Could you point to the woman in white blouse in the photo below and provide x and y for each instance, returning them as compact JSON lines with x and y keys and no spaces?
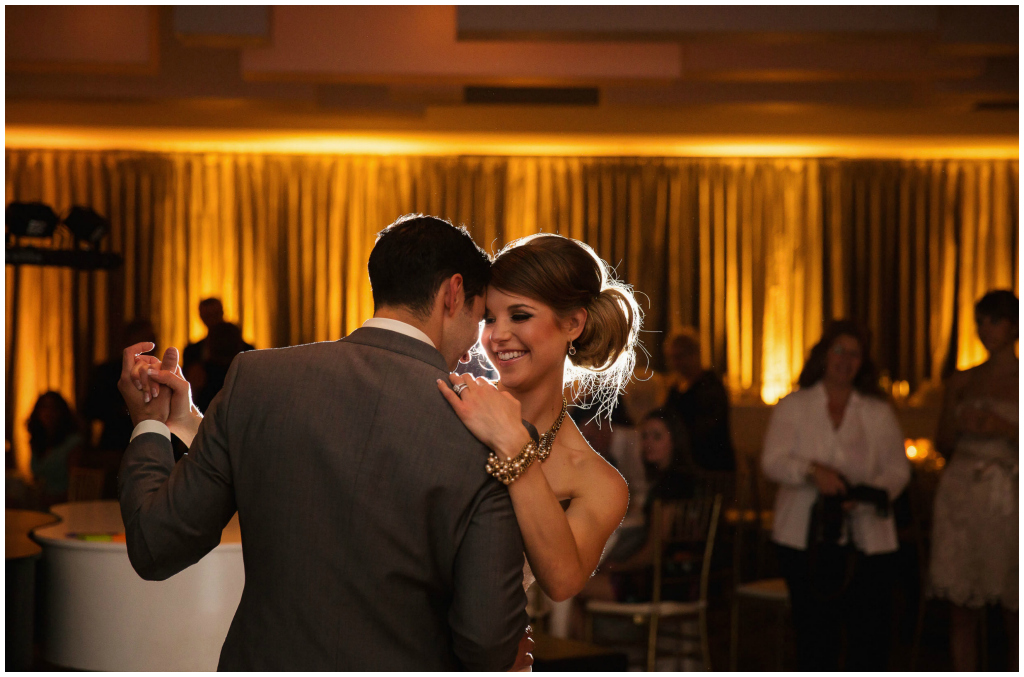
{"x":836,"y":432}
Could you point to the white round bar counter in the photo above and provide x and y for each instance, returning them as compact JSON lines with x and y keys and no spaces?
{"x":99,"y":615}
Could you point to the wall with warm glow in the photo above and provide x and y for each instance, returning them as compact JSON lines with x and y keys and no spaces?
{"x":753,"y":251}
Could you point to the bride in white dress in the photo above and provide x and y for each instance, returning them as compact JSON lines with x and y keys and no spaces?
{"x":975,"y":531}
{"x":555,"y":318}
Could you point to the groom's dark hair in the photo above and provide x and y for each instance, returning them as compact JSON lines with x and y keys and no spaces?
{"x":415,"y":254}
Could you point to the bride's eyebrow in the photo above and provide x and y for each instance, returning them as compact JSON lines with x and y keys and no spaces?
{"x":520,"y":306}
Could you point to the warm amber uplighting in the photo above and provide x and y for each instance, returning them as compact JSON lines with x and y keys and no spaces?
{"x":746,"y":247}
{"x":773,"y":391}
{"x":507,"y":144}
{"x":911,"y":451}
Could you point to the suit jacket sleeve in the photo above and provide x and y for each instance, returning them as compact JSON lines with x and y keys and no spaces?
{"x":174,"y":513}
{"x":488,"y":612}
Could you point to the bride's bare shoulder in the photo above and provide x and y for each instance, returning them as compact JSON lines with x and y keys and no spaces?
{"x":591,"y":471}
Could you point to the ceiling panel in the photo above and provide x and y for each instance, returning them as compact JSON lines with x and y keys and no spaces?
{"x":539,"y":21}
{"x":399,"y":43}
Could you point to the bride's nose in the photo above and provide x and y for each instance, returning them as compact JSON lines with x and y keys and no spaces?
{"x":500,"y":332}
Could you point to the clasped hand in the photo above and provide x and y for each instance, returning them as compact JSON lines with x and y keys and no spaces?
{"x":829,"y":483}
{"x":157,"y":390}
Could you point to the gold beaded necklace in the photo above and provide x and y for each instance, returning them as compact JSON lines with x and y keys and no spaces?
{"x":509,"y":470}
{"x":547,"y":440}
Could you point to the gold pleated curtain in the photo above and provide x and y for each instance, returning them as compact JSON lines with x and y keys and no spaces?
{"x":754,"y":253}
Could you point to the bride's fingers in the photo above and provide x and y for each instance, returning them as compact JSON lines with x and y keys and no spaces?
{"x":139,"y":376}
{"x":462,"y":379}
{"x":456,"y":379}
{"x":450,"y":395}
{"x":142,"y":362}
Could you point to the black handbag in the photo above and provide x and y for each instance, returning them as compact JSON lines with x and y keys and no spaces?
{"x":831,"y":564}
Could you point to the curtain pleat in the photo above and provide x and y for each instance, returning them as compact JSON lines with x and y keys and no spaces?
{"x":755,"y":253}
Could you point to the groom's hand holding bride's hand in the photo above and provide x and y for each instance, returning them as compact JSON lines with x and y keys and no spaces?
{"x":143,"y":405}
{"x":495,"y":418}
{"x":151,"y":376}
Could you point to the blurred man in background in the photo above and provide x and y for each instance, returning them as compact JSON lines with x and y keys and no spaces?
{"x":211,"y":312}
{"x":699,"y":399}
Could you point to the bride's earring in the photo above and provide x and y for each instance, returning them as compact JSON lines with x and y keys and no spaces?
{"x":572,"y":348}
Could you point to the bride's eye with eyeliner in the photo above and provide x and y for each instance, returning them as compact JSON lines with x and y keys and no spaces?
{"x":488,"y":320}
{"x":521,"y":317}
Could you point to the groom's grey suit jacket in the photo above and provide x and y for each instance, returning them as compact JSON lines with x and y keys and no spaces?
{"x":372,"y":537}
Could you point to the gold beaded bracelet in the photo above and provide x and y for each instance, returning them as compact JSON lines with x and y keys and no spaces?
{"x":508,"y":471}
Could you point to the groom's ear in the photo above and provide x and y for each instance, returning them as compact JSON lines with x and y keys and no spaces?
{"x":454,"y":295}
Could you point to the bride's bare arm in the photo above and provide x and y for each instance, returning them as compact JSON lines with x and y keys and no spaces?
{"x":563,"y":547}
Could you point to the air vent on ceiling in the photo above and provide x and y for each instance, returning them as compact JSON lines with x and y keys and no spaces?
{"x":532,"y":96}
{"x":1003,"y":104}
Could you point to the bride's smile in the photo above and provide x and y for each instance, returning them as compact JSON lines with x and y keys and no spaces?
{"x":523,"y":338}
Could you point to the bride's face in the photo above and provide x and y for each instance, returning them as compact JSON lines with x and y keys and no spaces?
{"x":524,"y":339}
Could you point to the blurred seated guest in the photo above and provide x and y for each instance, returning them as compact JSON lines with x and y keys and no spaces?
{"x":836,"y":450}
{"x":211,"y":312}
{"x":975,"y":531}
{"x":625,"y":573}
{"x":56,"y":440}
{"x":221,"y":345}
{"x":103,"y":403}
{"x":699,"y":398}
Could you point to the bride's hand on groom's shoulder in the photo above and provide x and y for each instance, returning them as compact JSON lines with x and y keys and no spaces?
{"x":494,"y":417}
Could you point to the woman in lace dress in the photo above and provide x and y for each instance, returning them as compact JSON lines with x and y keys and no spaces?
{"x":975,"y":537}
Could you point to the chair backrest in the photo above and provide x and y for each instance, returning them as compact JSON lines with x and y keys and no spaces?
{"x":755,"y":497}
{"x":85,"y":484}
{"x":689,"y":523}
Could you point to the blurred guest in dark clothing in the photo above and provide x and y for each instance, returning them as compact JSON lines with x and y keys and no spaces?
{"x":625,"y":572}
{"x":103,"y":402}
{"x":221,"y":345}
{"x":699,"y":398}
{"x":56,"y":440}
{"x":211,"y":312}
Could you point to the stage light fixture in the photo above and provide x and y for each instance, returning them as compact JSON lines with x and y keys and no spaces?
{"x":86,"y":225}
{"x":30,"y":219}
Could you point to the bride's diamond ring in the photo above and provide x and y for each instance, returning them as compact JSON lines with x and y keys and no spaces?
{"x":459,"y":388}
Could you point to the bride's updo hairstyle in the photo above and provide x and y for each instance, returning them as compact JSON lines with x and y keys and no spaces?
{"x":567,"y":275}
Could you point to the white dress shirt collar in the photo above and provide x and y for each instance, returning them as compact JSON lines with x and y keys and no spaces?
{"x":400,"y":327}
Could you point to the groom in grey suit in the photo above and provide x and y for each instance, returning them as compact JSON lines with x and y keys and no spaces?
{"x":372,"y":536}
